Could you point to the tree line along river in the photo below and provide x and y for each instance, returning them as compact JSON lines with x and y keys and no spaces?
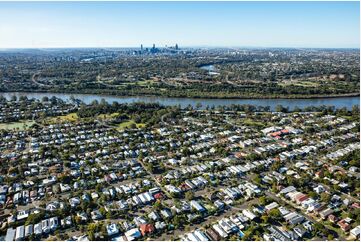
{"x":338,"y":102}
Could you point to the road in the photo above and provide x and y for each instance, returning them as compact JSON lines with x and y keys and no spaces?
{"x":33,"y":79}
{"x":152,"y":176}
{"x":162,"y":119}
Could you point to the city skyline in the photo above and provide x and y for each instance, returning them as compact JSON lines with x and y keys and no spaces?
{"x":188,"y":24}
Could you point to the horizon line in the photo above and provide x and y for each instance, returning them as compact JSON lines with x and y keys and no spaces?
{"x":164,"y":47}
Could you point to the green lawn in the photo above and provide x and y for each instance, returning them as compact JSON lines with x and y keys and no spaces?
{"x":250,"y":122}
{"x":145,"y":83}
{"x":17,"y":125}
{"x":127,"y":124}
{"x":71,"y":117}
{"x":105,"y":116}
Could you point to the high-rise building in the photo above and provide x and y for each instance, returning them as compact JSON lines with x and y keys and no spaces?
{"x":141,"y":47}
{"x":176,"y":46}
{"x":153,"y":46}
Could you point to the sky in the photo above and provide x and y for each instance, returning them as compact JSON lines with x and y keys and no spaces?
{"x":213,"y":24}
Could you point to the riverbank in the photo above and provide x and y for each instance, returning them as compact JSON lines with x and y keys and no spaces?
{"x":200,"y":103}
{"x":210,"y":96}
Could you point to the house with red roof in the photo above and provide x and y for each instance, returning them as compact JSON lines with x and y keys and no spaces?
{"x":355,"y":205}
{"x":344,"y":225}
{"x":146,"y":229}
{"x":158,"y":195}
{"x":300,"y":198}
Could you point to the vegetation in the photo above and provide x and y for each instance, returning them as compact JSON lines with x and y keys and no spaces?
{"x":272,"y":73}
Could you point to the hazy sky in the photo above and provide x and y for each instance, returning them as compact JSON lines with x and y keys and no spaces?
{"x":123,"y":24}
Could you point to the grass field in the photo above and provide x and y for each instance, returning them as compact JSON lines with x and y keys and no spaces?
{"x":250,"y":122}
{"x":71,"y":117}
{"x":17,"y":125}
{"x":145,"y":83}
{"x":127,"y":124}
{"x":105,"y":116}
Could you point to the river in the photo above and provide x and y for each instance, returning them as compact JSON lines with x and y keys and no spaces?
{"x":338,"y":102}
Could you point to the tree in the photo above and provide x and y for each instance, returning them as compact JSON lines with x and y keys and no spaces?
{"x":78,"y":220}
{"x":318,"y":228}
{"x":258,"y":180}
{"x":189,"y":195}
{"x":265,"y":219}
{"x":312,"y":194}
{"x":178,"y":221}
{"x":140,"y":156}
{"x":330,"y":237}
{"x":157,"y":205}
{"x":325,"y":197}
{"x":275,"y":214}
{"x":262,"y":200}
{"x":98,"y":187}
{"x":276,"y":165}
{"x":34,"y":218}
{"x":150,"y":167}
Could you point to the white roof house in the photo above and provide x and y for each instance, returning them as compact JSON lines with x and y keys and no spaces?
{"x":112,"y":229}
{"x":355,"y":232}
